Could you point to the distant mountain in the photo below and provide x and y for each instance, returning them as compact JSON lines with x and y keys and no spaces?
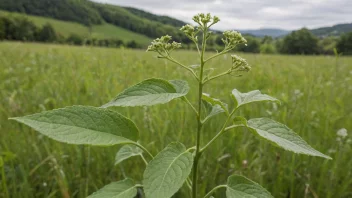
{"x":335,"y":30}
{"x":266,"y":32}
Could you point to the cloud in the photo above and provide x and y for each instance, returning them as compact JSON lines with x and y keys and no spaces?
{"x":252,"y":14}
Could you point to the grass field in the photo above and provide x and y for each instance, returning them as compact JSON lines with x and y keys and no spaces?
{"x":104,"y":31}
{"x":315,"y":92}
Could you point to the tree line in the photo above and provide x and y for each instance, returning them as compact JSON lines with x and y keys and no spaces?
{"x":298,"y":42}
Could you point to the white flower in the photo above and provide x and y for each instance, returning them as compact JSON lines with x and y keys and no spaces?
{"x":342,"y":133}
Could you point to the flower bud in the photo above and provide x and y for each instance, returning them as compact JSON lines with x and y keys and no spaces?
{"x":239,"y":64}
{"x":189,"y":31}
{"x":162,"y":44}
{"x":204,"y":19}
{"x":216,"y":19}
{"x":233,"y":38}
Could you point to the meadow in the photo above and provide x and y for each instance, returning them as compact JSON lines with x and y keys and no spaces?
{"x":315,"y":94}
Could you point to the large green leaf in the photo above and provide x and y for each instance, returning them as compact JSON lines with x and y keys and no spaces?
{"x":167,"y":172}
{"x":250,"y":97}
{"x":83,"y":125}
{"x":241,"y":187}
{"x":121,"y":189}
{"x":126,"y":152}
{"x":282,"y":136}
{"x":150,"y":92}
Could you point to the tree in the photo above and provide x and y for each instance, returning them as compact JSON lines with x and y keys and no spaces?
{"x":74,"y":39}
{"x":344,"y":44}
{"x":267,"y":49}
{"x":300,"y":42}
{"x":253,"y":45}
{"x":20,"y":28}
{"x":2,"y":29}
{"x":132,"y":44}
{"x":267,"y":40}
{"x":327,"y":45}
{"x":47,"y":33}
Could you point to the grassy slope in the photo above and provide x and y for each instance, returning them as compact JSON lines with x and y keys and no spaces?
{"x":315,"y":103}
{"x":104,"y":31}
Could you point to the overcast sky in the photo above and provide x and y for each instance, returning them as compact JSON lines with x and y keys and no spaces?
{"x":252,"y":14}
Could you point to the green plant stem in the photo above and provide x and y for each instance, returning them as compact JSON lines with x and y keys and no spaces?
{"x":138,"y":186}
{"x":218,"y":54}
{"x":223,"y":129}
{"x":144,"y":149}
{"x":144,"y":160}
{"x":190,"y":104}
{"x":182,"y":65}
{"x":189,"y":184}
{"x":213,"y":190}
{"x":200,"y":92}
{"x":217,"y":76}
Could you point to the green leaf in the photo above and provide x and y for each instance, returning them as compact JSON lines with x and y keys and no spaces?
{"x":167,"y":172}
{"x":126,"y":152}
{"x":211,"y":110}
{"x":83,"y":125}
{"x":121,"y":189}
{"x":214,"y":102}
{"x":241,"y":187}
{"x":250,"y":97}
{"x":150,"y":92}
{"x":282,"y":136}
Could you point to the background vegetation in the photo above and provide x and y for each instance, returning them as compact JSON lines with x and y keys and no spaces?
{"x":315,"y":92}
{"x":82,"y":22}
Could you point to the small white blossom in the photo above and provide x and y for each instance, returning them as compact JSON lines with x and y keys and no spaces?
{"x":342,"y":133}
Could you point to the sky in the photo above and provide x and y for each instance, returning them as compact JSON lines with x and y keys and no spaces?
{"x":251,"y":14}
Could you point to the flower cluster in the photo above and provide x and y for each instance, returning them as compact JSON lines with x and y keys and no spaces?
{"x":163,"y":46}
{"x":239,"y":64}
{"x":233,"y":38}
{"x":190,"y":32}
{"x":204,"y":19}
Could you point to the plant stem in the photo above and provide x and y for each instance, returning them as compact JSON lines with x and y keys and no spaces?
{"x":144,"y":149}
{"x":223,"y":129}
{"x":213,"y":190}
{"x":190,"y":104}
{"x":217,"y":76}
{"x":200,"y":92}
{"x":218,"y":54}
{"x":182,"y":65}
{"x":144,"y":160}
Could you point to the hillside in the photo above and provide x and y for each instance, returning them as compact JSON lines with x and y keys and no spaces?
{"x":162,"y":19}
{"x":335,"y":30}
{"x":67,"y":10}
{"x":101,"y":31}
{"x":90,"y":13}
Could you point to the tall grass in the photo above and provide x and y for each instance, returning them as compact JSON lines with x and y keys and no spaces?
{"x":315,"y":93}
